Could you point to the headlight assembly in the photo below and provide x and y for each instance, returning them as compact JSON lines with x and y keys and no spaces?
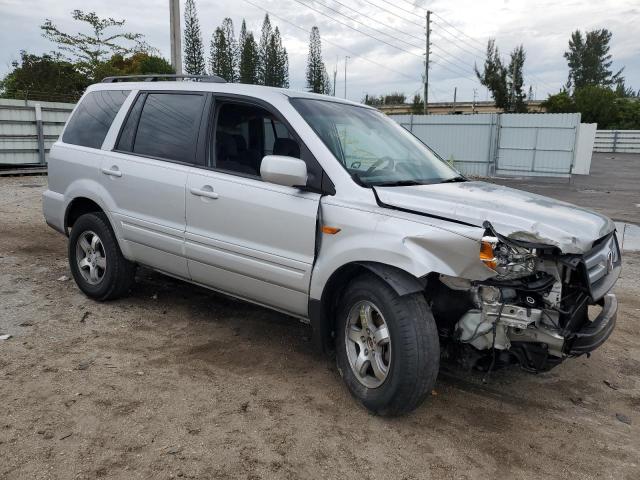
{"x":508,"y":261}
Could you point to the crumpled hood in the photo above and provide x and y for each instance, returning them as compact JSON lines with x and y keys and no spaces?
{"x":513,"y":213}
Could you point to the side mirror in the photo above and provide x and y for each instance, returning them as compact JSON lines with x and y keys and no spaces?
{"x":281,"y":170}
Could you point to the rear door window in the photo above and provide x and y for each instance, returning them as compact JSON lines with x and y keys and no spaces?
{"x":92,"y":119}
{"x":168,"y":126}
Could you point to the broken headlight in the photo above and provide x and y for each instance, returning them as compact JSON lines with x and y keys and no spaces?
{"x":508,"y":261}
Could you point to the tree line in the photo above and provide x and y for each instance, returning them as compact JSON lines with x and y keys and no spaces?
{"x":82,"y":58}
{"x":245,"y":60}
{"x":592,"y":88}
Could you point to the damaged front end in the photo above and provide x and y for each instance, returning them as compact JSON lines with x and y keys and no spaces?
{"x":540,"y":307}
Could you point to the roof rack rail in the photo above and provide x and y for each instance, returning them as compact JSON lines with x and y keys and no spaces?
{"x":155,"y":78}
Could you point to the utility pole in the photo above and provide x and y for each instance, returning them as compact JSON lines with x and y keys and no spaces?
{"x":426,"y":64}
{"x":473,"y":105}
{"x":455,"y":94}
{"x":345,"y":75}
{"x":176,"y":35}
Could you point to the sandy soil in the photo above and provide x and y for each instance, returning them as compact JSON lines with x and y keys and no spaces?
{"x":179,"y":382}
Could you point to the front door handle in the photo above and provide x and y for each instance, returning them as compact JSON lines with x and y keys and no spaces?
{"x":113,"y":171}
{"x":206,"y":191}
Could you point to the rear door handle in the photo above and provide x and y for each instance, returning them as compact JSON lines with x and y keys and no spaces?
{"x":113,"y":171}
{"x":206,"y":191}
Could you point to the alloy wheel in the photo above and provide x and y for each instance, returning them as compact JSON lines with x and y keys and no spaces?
{"x":368,"y":344}
{"x":90,"y":257}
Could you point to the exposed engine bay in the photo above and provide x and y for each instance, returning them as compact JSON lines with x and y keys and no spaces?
{"x":534,"y":311}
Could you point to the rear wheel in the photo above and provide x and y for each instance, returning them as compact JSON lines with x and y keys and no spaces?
{"x":95,"y":259}
{"x":387,"y":346}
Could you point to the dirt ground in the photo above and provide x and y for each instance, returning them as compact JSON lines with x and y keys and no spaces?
{"x":179,"y":382}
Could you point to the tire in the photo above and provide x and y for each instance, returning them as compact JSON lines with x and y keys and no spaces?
{"x":114,"y":275}
{"x":411,"y":356}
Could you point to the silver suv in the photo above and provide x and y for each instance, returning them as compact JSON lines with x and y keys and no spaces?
{"x":330,"y":212}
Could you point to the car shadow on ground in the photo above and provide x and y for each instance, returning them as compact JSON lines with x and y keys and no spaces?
{"x":244,"y":337}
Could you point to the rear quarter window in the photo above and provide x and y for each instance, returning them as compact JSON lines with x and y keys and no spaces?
{"x":90,"y":122}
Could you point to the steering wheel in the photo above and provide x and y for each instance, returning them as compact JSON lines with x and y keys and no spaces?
{"x":380,"y":161}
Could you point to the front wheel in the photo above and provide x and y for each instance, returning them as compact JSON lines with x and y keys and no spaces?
{"x":387,"y":346}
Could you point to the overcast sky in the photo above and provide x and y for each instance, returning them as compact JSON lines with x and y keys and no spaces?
{"x":543,"y":27}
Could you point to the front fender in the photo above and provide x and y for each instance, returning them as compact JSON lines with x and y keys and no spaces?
{"x":410,"y":243}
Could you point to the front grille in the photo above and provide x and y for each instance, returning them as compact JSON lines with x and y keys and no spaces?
{"x":602,"y":265}
{"x":601,"y":259}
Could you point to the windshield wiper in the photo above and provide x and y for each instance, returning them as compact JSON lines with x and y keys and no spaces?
{"x":459,"y":178}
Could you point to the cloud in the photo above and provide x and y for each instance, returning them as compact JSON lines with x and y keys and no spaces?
{"x":543,"y":27}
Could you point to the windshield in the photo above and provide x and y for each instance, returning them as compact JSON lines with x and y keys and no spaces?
{"x":374,"y":149}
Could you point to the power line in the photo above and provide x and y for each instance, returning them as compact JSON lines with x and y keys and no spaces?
{"x":476,"y":49}
{"x":446,"y":55}
{"x":360,"y":31}
{"x":467,"y":43}
{"x":441,"y":61}
{"x":393,"y":13}
{"x":414,"y":6}
{"x":457,"y":29}
{"x":460,"y":71}
{"x":448,"y":32}
{"x":458,"y":74}
{"x":400,"y":8}
{"x":377,"y":21}
{"x":351,"y":52}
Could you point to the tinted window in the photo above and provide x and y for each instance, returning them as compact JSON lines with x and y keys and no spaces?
{"x":128,"y":133}
{"x":168,"y":126}
{"x":91,"y":121}
{"x":246,"y":133}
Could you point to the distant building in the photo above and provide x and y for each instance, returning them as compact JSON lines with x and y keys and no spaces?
{"x":461,"y":108}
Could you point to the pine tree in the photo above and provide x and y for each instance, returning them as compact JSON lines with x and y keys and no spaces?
{"x":232,"y":48}
{"x":263,"y":50}
{"x":248,"y":61}
{"x":316,"y":71}
{"x":504,"y":82}
{"x":280,"y":76}
{"x":194,"y":63}
{"x":223,"y":57}
{"x":589,"y":59}
{"x":326,"y":83}
{"x":515,"y":81}
{"x":494,"y":76}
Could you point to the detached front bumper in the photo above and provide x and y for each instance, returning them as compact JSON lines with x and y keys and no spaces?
{"x":595,"y":333}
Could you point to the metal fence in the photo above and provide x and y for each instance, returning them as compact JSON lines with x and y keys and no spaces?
{"x":479,"y":145}
{"x":501,"y":144}
{"x":617,"y":141}
{"x":28,"y":129}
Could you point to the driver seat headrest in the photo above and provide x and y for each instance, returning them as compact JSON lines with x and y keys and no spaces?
{"x":286,"y":147}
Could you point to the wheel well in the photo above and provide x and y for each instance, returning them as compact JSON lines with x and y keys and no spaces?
{"x":77,"y":208}
{"x":323,"y":312}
